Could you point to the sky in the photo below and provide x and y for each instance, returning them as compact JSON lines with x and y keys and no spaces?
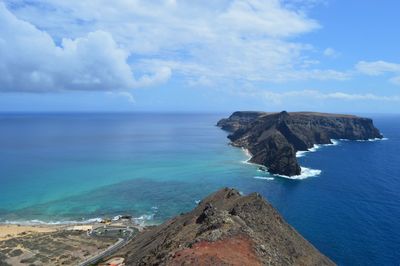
{"x":200,"y":56}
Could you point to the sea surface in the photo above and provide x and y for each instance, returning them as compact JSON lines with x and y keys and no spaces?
{"x":60,"y":168}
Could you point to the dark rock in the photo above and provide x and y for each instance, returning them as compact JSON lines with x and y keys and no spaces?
{"x":207,"y":213}
{"x":274,"y":138}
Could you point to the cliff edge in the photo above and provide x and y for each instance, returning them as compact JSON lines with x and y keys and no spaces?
{"x":274,"y":138}
{"x":225,"y":228}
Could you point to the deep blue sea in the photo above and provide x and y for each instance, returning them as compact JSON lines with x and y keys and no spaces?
{"x":75,"y":167}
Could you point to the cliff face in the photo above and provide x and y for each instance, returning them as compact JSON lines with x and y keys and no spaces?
{"x":274,"y":138}
{"x":224,"y":229}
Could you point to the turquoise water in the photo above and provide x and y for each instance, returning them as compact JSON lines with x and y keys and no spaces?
{"x":75,"y":167}
{"x":72,"y":167}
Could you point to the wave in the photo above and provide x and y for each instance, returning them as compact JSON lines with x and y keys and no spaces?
{"x":372,"y":140}
{"x":335,"y":142}
{"x":40,"y":222}
{"x":264,"y":177}
{"x":249,"y":156}
{"x":305,"y":173}
{"x":142,"y":220}
{"x":301,"y":153}
{"x":247,"y":152}
{"x":316,"y":147}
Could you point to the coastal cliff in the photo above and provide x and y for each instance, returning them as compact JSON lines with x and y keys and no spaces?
{"x":274,"y":138}
{"x":225,"y":228}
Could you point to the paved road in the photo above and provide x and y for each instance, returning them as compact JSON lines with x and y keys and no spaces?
{"x":110,"y":250}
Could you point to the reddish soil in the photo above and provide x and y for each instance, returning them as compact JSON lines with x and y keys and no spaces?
{"x":232,"y":251}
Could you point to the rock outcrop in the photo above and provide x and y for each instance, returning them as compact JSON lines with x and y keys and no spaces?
{"x":226,"y":228}
{"x":274,"y":138}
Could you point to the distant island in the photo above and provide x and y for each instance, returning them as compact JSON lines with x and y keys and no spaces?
{"x":273,"y":139}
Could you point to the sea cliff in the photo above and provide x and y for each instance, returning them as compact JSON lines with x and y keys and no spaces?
{"x":274,"y":138}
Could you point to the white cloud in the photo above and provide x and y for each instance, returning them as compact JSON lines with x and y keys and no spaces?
{"x":159,"y":75}
{"x":32,"y":62}
{"x":330,"y":52}
{"x":264,"y":17}
{"x":316,"y":74}
{"x":377,"y":68}
{"x":124,"y":94}
{"x":395,"y":80}
{"x":248,"y":40}
{"x":279,"y":98}
{"x":354,"y":97}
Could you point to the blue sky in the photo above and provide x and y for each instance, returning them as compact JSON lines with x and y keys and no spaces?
{"x":171,"y":55}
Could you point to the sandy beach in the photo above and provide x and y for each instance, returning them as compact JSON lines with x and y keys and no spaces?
{"x":8,"y":231}
{"x":49,"y":244}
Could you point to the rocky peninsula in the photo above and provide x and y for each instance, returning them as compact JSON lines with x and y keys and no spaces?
{"x":274,"y":138}
{"x":225,"y":228}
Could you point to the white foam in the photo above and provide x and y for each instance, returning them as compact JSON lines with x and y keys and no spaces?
{"x":248,"y":154}
{"x":316,"y":147}
{"x":39,"y":222}
{"x":335,"y":142}
{"x":264,"y":177}
{"x":372,"y":140}
{"x":301,"y":153}
{"x":143,"y":219}
{"x":305,"y":173}
{"x":116,"y":218}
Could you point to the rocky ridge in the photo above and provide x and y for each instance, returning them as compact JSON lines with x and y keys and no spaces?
{"x":274,"y":138}
{"x":225,"y":228}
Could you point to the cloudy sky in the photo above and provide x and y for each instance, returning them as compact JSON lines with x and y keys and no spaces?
{"x":200,"y":56}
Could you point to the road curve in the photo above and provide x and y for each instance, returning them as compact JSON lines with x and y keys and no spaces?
{"x":109,"y":251}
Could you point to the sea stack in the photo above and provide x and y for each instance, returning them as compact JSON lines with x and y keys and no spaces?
{"x":274,"y":138}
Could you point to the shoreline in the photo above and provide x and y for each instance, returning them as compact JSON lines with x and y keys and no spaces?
{"x":305,"y":171}
{"x":15,"y":230}
{"x":9,"y":231}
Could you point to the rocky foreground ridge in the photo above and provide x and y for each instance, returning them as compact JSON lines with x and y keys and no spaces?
{"x":225,"y":228}
{"x":274,"y":138}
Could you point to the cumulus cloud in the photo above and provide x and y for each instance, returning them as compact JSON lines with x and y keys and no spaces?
{"x":32,"y":62}
{"x":123,"y":44}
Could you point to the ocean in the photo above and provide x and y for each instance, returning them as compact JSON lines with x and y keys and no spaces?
{"x":61,"y":168}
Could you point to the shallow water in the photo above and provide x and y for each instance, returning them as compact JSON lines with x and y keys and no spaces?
{"x":73,"y":167}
